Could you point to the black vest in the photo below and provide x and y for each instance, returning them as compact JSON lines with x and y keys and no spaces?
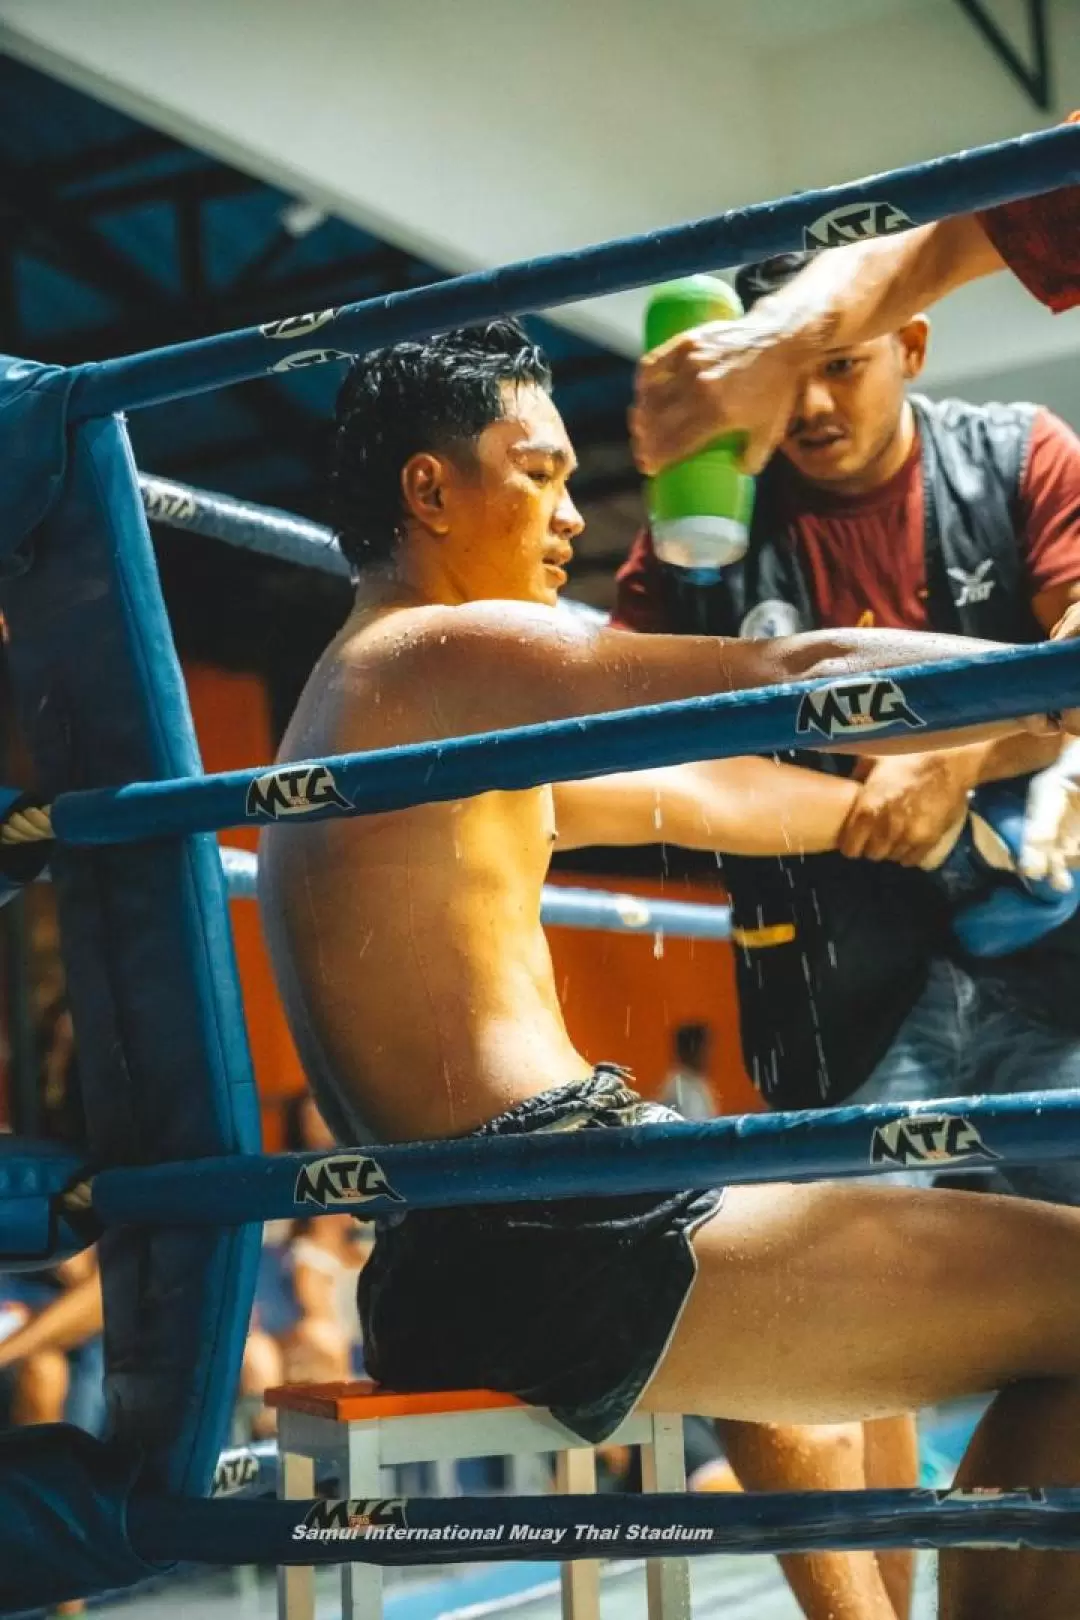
{"x":832,"y":954}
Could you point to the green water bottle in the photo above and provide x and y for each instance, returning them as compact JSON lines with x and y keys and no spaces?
{"x":700,"y":508}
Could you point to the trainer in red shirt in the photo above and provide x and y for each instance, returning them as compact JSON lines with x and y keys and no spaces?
{"x":848,"y":489}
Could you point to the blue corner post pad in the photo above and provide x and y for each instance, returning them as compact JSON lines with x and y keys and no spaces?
{"x":63,"y":1518}
{"x":33,"y":1231}
{"x":33,"y":421}
{"x":164,"y":1065}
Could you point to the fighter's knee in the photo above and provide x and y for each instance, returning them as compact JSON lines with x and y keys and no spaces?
{"x":844,"y":1442}
{"x":816,"y":1445}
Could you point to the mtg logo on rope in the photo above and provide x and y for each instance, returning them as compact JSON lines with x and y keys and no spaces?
{"x":342,"y":1180}
{"x":235,"y":1472}
{"x":168,"y":505}
{"x":351,"y":1516}
{"x":929,"y":1139}
{"x":308,"y":357}
{"x":855,"y":223}
{"x":294,"y":790}
{"x":854,"y":708}
{"x":297,"y":326}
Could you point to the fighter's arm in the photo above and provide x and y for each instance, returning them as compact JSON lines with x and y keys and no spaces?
{"x":491,"y":665}
{"x":733,"y":806}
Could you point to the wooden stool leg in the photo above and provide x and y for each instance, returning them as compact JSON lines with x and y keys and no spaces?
{"x":663,"y":1468}
{"x":362,"y":1584}
{"x":296,"y":1479}
{"x":575,"y":1474}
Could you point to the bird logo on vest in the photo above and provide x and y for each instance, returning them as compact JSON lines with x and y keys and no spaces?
{"x":974,"y":587}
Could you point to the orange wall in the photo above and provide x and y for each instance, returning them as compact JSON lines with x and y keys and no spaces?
{"x":232,"y":721}
{"x":622,"y":1001}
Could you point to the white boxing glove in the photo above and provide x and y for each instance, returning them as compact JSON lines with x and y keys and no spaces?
{"x":1051,"y":839}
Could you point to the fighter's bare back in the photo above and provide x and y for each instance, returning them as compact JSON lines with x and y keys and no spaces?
{"x":409,"y":946}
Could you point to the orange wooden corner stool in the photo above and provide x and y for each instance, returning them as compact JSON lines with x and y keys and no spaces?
{"x":360,"y":1430}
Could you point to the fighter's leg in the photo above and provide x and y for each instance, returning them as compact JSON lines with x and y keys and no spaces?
{"x":827,"y":1303}
{"x":891,"y":1462}
{"x":1030,"y":1436}
{"x":818,"y":1457}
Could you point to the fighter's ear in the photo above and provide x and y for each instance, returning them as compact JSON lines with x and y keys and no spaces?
{"x":422,"y":482}
{"x":913,"y":339}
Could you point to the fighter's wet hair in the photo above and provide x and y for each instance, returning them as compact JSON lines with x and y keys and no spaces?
{"x":437,"y":394}
{"x":754,"y":281}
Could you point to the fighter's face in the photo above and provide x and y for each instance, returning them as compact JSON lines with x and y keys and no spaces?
{"x":849,"y":410}
{"x":511,"y":521}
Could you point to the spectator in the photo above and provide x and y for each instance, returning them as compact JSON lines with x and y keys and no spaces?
{"x":305,"y":1328}
{"x":51,"y":1366}
{"x":686,"y":1086}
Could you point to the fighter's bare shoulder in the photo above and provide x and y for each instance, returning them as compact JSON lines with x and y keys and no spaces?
{"x":466,"y":639}
{"x":478,"y":666}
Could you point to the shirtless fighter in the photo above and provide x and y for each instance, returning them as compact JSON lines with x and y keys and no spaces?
{"x":417,"y":979}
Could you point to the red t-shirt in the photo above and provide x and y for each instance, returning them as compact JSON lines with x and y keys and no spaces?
{"x":864,"y":554}
{"x":1039,"y":239}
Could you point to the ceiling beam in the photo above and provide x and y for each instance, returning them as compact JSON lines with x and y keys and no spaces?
{"x":94,"y":163}
{"x":71,"y":242}
{"x":316,"y":285}
{"x":1033,"y":79}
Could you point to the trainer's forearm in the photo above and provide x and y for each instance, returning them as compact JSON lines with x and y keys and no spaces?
{"x":851,"y":294}
{"x":1021,"y":754}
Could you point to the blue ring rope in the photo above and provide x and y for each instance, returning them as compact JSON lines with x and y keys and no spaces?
{"x":1001,"y":685}
{"x":264,"y":529}
{"x":164,"y":1530}
{"x":959,"y":183}
{"x":563,"y":906}
{"x":1027,"y":1128}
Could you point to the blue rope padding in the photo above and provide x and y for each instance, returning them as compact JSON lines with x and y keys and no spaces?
{"x":922,"y":192}
{"x":264,"y":529}
{"x":249,"y":1532}
{"x":998,"y":686}
{"x":1026,"y":1128}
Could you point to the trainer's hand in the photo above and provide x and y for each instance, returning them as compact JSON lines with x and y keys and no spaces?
{"x":907,"y":805}
{"x":724,"y":377}
{"x":1068,"y":629}
{"x":1068,"y":626}
{"x":1051,"y":839}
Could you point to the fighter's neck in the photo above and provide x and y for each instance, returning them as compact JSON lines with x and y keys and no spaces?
{"x":410,"y":581}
